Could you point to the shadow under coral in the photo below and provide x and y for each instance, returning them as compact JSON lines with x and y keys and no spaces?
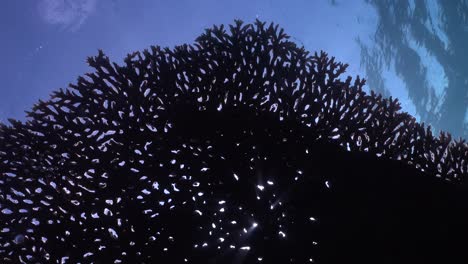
{"x":330,"y":205}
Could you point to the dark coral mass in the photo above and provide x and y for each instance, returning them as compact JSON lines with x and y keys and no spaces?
{"x":240,"y":148}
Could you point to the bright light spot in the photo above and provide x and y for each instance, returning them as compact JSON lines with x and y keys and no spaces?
{"x":270,"y":182}
{"x":254,"y":225}
{"x":327,"y":183}
{"x":7,"y":211}
{"x":260,"y":187}
{"x":245,"y":248}
{"x":156,"y":185}
{"x":281,"y":233}
{"x":175,"y":188}
{"x":112,"y":233}
{"x":236,"y":177}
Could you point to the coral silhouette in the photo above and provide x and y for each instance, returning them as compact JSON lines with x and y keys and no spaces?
{"x":240,"y":148}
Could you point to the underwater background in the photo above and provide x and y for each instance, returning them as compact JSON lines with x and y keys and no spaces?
{"x":412,"y":50}
{"x":236,"y":132}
